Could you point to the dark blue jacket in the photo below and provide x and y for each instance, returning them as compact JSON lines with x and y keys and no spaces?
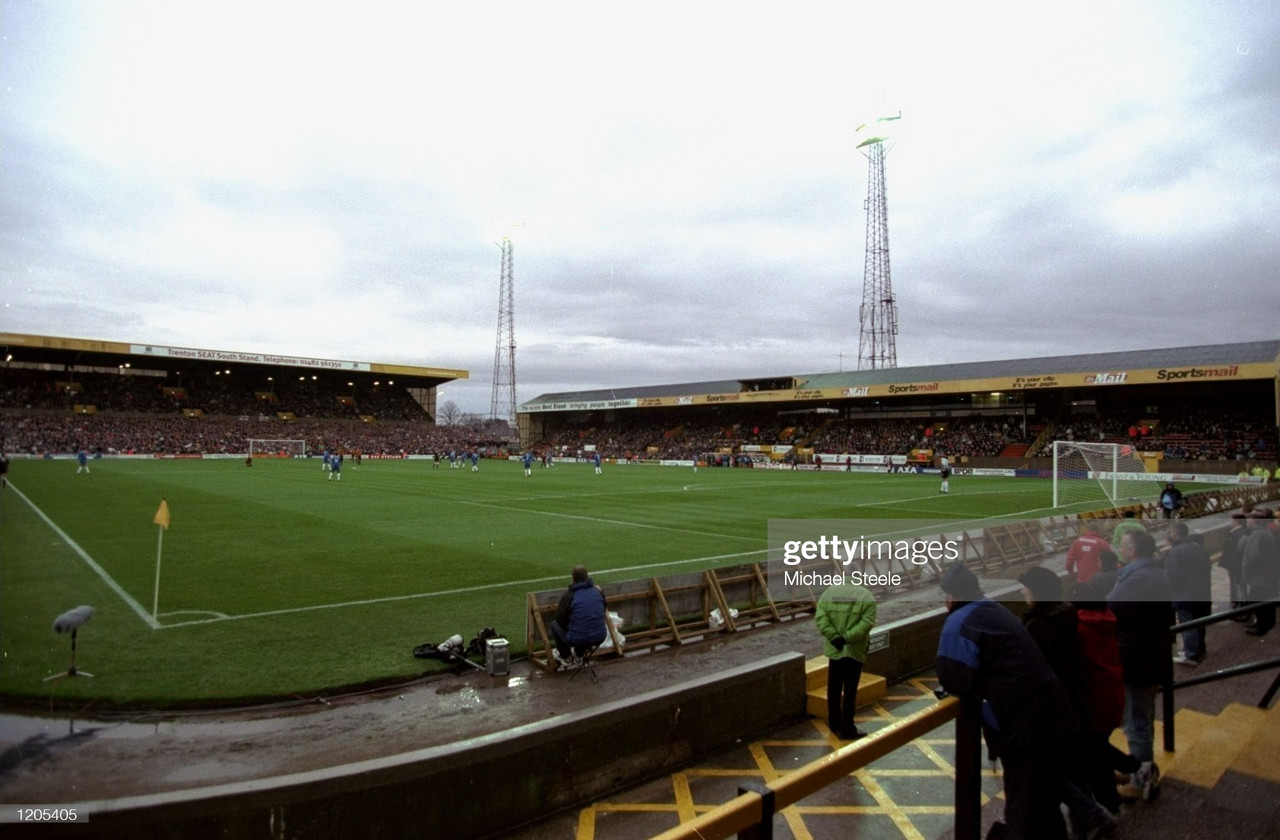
{"x":581,"y":614}
{"x":1142,"y":603}
{"x":1190,"y":571}
{"x":985,"y":653}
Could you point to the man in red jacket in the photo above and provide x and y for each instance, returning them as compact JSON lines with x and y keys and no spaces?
{"x":1082,"y":556}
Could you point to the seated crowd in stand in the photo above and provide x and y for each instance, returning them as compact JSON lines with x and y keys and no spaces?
{"x":1192,"y":434}
{"x":143,"y":413}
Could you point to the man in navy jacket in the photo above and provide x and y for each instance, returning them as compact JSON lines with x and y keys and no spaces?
{"x":985,"y":654}
{"x":579,"y":622}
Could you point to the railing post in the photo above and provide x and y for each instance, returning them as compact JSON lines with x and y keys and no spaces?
{"x":968,"y":805}
{"x":762,"y":830}
{"x":1166,"y":693}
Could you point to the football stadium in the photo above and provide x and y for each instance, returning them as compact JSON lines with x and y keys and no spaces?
{"x":273,"y":532}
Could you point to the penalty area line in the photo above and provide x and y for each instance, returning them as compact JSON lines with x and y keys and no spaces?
{"x":89,"y":561}
{"x":466,"y":590}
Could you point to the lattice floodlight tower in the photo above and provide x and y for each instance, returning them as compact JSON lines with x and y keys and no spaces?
{"x":503,"y":405}
{"x":878,"y":315}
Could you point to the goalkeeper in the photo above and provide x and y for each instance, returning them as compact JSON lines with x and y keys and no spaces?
{"x":845,"y":615}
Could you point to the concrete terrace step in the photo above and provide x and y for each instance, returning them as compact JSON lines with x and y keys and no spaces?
{"x":1188,"y":726}
{"x":1217,"y":747}
{"x":870,"y":687}
{"x":1260,"y":756}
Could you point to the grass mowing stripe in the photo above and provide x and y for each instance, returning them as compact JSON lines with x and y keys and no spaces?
{"x":614,"y":522}
{"x":84,"y":555}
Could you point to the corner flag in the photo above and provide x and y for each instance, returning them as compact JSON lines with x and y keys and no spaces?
{"x":161,"y":519}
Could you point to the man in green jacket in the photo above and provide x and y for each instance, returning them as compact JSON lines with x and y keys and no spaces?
{"x":845,"y":615}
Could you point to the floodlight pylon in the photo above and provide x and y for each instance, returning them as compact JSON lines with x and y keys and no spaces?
{"x":878,"y":315}
{"x":503,"y":405}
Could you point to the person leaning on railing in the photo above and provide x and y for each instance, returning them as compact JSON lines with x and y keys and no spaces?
{"x":986,"y":655}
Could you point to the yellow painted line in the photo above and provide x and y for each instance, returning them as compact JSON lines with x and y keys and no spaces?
{"x":892,"y":809}
{"x":684,"y":797}
{"x":1259,"y":757}
{"x":1204,"y":762}
{"x":587,"y":824}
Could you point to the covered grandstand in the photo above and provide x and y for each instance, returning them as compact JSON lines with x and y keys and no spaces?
{"x":1216,"y":402}
{"x":60,"y":394}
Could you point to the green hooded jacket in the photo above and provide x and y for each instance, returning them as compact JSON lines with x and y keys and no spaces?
{"x":846,"y":610}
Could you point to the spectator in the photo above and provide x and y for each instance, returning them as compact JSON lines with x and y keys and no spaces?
{"x":1051,"y":623}
{"x":986,"y":655}
{"x":1261,"y":572}
{"x":1082,"y":556}
{"x":1141,"y":601}
{"x":579,"y":625}
{"x":1189,"y":569}
{"x":1102,"y":691}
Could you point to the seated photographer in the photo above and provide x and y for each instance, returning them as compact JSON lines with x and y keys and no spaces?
{"x":579,"y":622}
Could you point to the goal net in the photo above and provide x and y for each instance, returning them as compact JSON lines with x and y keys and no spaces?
{"x":276,"y":448}
{"x":1110,"y":474}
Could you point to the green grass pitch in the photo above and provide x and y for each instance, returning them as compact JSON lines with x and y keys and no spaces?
{"x":276,"y":581}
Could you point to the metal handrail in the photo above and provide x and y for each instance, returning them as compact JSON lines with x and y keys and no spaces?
{"x":750,"y":814}
{"x":1170,"y":685}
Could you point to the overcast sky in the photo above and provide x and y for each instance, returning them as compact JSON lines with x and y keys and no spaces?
{"x":320,"y":179}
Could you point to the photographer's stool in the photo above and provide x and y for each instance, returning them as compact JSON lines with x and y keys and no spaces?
{"x":584,"y":657}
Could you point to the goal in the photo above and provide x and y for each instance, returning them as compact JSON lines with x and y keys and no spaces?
{"x":275,"y":448}
{"x":1111,"y":474}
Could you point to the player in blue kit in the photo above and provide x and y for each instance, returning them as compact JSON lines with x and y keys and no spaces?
{"x":475,"y":462}
{"x":596,"y":461}
{"x":528,"y":463}
{"x":326,"y":458}
{"x":335,"y":467}
{"x":82,"y":458}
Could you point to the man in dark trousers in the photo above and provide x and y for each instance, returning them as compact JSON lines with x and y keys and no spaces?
{"x":986,"y":655}
{"x":1260,"y":569}
{"x":845,"y":614}
{"x":1142,"y":603}
{"x":579,"y":622}
{"x":1190,"y":573}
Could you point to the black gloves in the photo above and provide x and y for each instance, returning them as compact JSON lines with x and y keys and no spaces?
{"x":838,"y":643}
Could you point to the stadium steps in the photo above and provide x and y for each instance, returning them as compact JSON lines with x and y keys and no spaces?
{"x":870,"y":687}
{"x":1241,"y":738}
{"x":1014,"y":450}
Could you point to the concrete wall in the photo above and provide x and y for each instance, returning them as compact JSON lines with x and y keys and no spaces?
{"x":481,"y":786}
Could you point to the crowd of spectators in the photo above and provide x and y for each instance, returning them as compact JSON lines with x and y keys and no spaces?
{"x":211,"y":393}
{"x":969,"y":436}
{"x":38,"y":433}
{"x":1192,"y":434}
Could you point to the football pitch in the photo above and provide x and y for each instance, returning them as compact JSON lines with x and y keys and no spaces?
{"x":277,"y":581}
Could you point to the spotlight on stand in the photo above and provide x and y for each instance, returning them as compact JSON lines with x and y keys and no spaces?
{"x":70,"y":622}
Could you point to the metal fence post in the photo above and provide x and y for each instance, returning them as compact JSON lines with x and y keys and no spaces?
{"x":968,"y":805}
{"x":764,"y":829}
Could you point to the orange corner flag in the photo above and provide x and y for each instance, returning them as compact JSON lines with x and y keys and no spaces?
{"x":162,"y":515}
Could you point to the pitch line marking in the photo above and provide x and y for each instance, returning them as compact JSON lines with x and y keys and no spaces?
{"x":615,"y":522}
{"x":461,"y":591}
{"x":89,"y":561}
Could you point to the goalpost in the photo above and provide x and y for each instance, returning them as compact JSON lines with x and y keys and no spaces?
{"x":277,"y":448}
{"x":1110,"y":473}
